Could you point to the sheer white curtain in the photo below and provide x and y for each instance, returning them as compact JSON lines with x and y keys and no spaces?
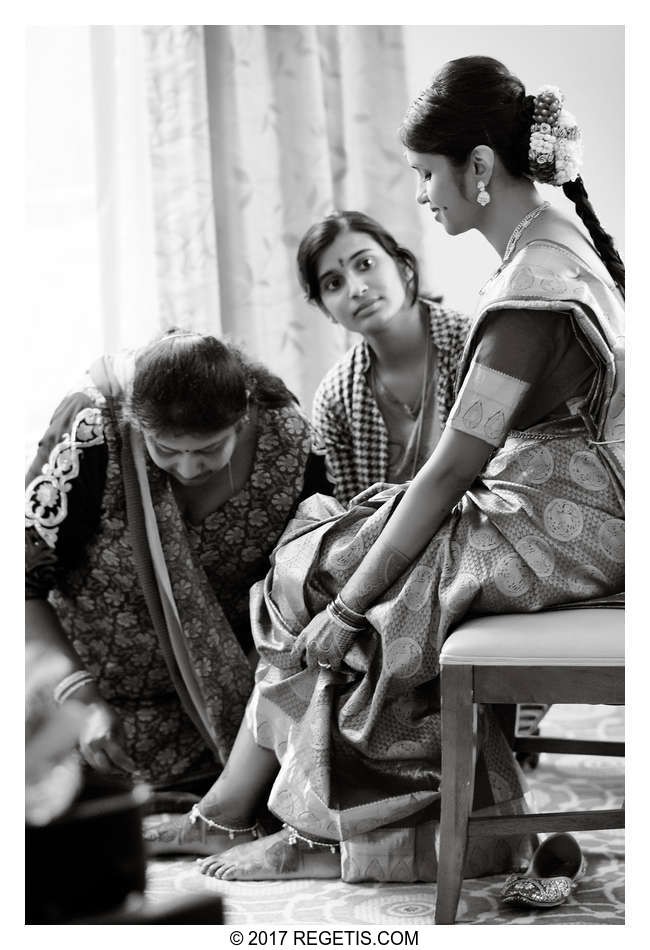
{"x":183,"y":206}
{"x":90,"y":230}
{"x":64,"y":300}
{"x":303,"y":120}
{"x":173,"y":170}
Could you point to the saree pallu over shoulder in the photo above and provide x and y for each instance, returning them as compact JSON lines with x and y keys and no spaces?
{"x":106,"y":612}
{"x":190,"y":647}
{"x":549,"y":276}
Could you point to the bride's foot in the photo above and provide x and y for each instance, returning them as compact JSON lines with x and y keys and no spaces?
{"x":191,"y":834}
{"x":272,"y":858}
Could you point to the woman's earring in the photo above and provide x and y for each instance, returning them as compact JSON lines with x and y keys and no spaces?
{"x":483,"y":196}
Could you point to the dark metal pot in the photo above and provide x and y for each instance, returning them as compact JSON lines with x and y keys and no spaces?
{"x":89,"y":859}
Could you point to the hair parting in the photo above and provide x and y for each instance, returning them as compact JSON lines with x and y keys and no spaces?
{"x":186,"y":381}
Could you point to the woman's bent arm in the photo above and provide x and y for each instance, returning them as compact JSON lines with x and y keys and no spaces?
{"x":440,"y":484}
{"x":101,"y":741}
{"x":43,"y":628}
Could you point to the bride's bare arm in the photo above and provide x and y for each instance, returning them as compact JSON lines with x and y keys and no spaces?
{"x":438,"y":486}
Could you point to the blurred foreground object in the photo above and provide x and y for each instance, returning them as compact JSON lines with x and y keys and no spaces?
{"x":84,"y":852}
{"x":90,"y":859}
{"x":53,"y":770}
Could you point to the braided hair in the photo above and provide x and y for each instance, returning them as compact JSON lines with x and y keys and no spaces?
{"x":603,"y":242}
{"x":476,"y":100}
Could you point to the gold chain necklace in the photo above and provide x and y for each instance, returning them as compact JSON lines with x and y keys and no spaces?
{"x":525,"y":222}
{"x":417,"y":413}
{"x":412,"y":412}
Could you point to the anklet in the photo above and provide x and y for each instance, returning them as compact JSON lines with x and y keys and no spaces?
{"x":295,"y":837}
{"x":195,"y":814}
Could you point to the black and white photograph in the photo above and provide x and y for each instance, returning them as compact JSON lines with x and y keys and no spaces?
{"x":324,"y":423}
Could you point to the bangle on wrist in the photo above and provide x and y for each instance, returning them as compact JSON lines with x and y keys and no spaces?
{"x":70,"y":684}
{"x":346,"y":615}
{"x":341,"y":621}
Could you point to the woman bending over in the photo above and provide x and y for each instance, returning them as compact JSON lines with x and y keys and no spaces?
{"x":155,"y":499}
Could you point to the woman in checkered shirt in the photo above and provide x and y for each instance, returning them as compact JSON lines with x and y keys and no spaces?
{"x":380,"y":410}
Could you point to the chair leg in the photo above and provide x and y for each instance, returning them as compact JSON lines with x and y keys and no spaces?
{"x":457,"y":785}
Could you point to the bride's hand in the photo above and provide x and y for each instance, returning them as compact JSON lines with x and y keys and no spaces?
{"x":326,"y":640}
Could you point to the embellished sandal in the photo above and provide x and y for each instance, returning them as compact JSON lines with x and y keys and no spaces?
{"x":555,"y":870}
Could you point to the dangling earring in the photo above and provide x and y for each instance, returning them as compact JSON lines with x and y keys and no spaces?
{"x":483,"y":196}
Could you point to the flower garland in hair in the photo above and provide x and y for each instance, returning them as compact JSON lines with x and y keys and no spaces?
{"x":555,"y":151}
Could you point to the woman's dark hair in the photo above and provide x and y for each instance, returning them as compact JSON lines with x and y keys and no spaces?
{"x":192,"y":382}
{"x":476,"y":100}
{"x":323,"y":233}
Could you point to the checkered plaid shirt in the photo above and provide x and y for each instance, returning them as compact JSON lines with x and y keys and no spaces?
{"x":349,"y":429}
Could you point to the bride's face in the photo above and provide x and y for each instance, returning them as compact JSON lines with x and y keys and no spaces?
{"x":441,"y":186}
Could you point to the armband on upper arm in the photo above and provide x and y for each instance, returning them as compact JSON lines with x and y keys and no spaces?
{"x":487,"y":403}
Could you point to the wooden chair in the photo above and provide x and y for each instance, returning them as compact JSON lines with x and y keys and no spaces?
{"x":560,"y":656}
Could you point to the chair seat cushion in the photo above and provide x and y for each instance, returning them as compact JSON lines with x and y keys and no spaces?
{"x":581,"y":637}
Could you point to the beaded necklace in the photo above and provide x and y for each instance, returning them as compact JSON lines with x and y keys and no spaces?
{"x":412,"y":411}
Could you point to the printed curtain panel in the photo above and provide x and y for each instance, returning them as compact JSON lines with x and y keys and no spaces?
{"x":256,"y":132}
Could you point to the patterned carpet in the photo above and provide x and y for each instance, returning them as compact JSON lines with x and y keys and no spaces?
{"x":558,"y":783}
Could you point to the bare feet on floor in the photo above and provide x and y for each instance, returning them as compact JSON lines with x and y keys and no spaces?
{"x":178,"y":834}
{"x":272,"y":858}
